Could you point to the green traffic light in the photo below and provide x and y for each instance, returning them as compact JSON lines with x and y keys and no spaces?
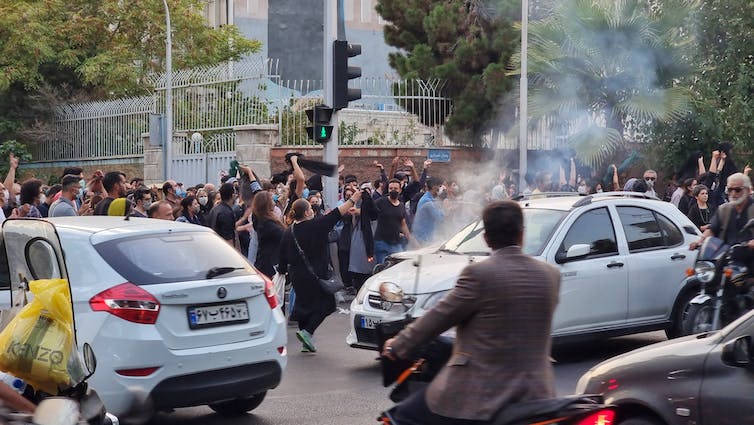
{"x":323,"y":133}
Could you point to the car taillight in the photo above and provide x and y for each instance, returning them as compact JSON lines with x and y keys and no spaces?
{"x":129,"y":302}
{"x":269,"y":290}
{"x":601,"y":417}
{"x":145,"y":371}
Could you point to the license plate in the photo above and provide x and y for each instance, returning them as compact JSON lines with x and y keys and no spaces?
{"x":201,"y":316}
{"x":369,"y":322}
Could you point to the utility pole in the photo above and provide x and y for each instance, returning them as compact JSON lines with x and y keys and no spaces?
{"x":523,"y":112}
{"x":168,"y":148}
{"x":330,"y":154}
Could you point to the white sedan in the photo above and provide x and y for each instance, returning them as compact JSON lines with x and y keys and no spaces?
{"x":172,"y":311}
{"x":623,"y":262}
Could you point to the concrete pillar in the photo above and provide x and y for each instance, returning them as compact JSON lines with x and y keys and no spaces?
{"x":253,"y":145}
{"x":153,"y":162}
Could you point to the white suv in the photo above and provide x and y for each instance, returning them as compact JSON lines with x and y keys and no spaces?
{"x":171,"y":310}
{"x":623,"y":262}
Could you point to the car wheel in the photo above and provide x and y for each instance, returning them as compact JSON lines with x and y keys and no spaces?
{"x":642,"y":420}
{"x":699,"y":318}
{"x":680,"y":312}
{"x":238,"y":407}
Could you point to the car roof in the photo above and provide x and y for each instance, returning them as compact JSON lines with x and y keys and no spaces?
{"x":571,"y":201}
{"x":105,"y":228}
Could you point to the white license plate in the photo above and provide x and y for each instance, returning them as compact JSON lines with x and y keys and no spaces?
{"x":369,"y":322}
{"x":217,"y":315}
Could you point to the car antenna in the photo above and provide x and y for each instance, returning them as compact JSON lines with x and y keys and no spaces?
{"x":418,"y":265}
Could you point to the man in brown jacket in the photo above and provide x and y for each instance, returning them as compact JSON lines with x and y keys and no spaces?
{"x":502,"y":308}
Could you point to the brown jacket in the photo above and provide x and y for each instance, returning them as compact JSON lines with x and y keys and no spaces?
{"x":502,"y":308}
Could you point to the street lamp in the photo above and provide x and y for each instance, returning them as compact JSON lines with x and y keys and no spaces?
{"x":168,"y":149}
{"x":523,"y":142}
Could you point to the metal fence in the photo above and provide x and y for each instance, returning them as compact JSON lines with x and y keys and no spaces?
{"x":391,"y":112}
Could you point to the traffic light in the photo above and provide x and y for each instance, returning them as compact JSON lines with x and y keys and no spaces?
{"x":341,"y":51}
{"x":320,"y":131}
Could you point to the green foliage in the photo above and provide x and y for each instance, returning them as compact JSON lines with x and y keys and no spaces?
{"x":609,"y":61}
{"x":722,"y":88}
{"x":466,"y":43}
{"x":94,"y":49}
{"x":16,"y":148}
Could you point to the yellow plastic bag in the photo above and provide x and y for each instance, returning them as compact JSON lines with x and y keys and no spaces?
{"x":38,"y":345}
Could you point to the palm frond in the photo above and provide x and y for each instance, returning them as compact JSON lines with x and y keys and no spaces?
{"x":594,"y":144}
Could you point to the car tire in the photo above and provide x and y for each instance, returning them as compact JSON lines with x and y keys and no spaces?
{"x":240,"y":406}
{"x":680,"y":311}
{"x":641,"y":420}
{"x":697,"y":313}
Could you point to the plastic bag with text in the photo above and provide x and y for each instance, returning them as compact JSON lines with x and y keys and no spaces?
{"x":38,"y":345}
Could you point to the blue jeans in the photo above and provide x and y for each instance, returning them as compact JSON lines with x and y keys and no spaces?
{"x":382,"y":249}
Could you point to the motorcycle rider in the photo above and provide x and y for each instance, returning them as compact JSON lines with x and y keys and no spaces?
{"x":502,"y":308}
{"x":732,"y":216}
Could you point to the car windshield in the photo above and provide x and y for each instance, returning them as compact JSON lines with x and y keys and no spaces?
{"x":538,"y":227}
{"x":152,"y":259}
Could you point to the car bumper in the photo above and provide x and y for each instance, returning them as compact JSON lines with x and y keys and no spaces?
{"x":363,"y":332}
{"x":208,"y":373}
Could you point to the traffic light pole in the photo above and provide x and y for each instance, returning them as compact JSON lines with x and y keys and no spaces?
{"x":330,"y":154}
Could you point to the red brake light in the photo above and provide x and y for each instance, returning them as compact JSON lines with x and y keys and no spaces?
{"x":269,"y":290}
{"x":146,"y":371}
{"x":601,"y":417}
{"x":129,"y":302}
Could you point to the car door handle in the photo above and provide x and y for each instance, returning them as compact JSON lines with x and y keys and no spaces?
{"x":677,"y":256}
{"x":614,"y":264}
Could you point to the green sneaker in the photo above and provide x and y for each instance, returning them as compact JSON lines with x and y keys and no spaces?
{"x":306,"y":340}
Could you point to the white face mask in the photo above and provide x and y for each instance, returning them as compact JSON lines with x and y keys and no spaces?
{"x":18,"y":199}
{"x":147,"y":204}
{"x":203,"y":200}
{"x":42,"y":199}
{"x":6,"y":194}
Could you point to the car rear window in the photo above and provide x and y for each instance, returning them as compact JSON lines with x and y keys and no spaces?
{"x":152,"y":259}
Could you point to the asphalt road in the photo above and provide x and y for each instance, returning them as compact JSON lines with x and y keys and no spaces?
{"x":342,"y":386}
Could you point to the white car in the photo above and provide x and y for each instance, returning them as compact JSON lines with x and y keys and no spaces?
{"x":623,"y":261}
{"x":171,"y":310}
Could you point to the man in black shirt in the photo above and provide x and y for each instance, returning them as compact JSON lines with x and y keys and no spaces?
{"x":114,"y":183}
{"x":391,"y":223}
{"x":221,"y":218}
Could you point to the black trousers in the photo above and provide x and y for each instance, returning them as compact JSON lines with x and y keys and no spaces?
{"x":311,"y":322}
{"x":414,"y":411}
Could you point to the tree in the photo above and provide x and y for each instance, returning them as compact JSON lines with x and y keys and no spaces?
{"x":594,"y":65}
{"x":98,"y":49}
{"x":722,"y":88}
{"x":467,"y":43}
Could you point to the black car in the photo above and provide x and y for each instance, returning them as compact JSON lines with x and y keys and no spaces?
{"x":704,"y":379}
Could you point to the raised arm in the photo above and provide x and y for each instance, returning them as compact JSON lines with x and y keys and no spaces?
{"x":572,"y":177}
{"x":298,"y":176}
{"x":11,"y":177}
{"x":616,"y":183}
{"x":414,"y":174}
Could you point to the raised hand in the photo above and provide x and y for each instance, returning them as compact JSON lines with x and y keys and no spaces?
{"x":378,"y":165}
{"x":13,"y":160}
{"x":427,"y":163}
{"x":408,"y":163}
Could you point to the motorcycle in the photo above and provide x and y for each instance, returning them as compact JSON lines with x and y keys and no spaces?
{"x":727,"y":286}
{"x":570,"y":410}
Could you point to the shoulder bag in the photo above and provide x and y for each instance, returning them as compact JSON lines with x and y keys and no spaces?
{"x":330,"y":285}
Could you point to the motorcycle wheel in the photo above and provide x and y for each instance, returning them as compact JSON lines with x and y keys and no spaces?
{"x":680,"y":312}
{"x":699,"y":318}
{"x":240,"y":406}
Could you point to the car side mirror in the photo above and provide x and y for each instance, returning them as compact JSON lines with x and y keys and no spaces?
{"x":737,"y":353}
{"x":575,"y":252}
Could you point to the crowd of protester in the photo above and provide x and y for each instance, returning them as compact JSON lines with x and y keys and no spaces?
{"x":283,"y":224}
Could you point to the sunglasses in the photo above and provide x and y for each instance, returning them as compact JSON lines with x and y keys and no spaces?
{"x":735,"y":189}
{"x":650,"y":179}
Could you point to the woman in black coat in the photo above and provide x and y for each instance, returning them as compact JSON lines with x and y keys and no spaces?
{"x":313,"y":304}
{"x":269,"y":230}
{"x":701,"y":211}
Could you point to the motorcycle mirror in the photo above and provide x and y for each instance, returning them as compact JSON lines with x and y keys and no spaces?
{"x":749,"y":225}
{"x":90,"y":360}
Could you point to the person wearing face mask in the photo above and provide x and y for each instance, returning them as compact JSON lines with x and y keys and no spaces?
{"x":142,"y":200}
{"x":392,"y":227}
{"x":315,"y":199}
{"x":305,"y":241}
{"x":65,"y":205}
{"x":189,"y":211}
{"x":650,"y":176}
{"x":204,"y":205}
{"x":47,"y":199}
{"x":221,"y":218}
{"x":29,"y":199}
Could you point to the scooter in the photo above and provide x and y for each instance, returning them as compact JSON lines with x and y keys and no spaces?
{"x":569,"y":410}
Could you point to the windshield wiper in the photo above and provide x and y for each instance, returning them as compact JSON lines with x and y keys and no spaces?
{"x":449,"y":251}
{"x":477,"y":253}
{"x":219,"y":271}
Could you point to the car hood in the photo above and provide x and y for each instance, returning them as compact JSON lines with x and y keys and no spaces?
{"x":410,"y":255}
{"x":439,"y":272}
{"x":682,"y":353}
